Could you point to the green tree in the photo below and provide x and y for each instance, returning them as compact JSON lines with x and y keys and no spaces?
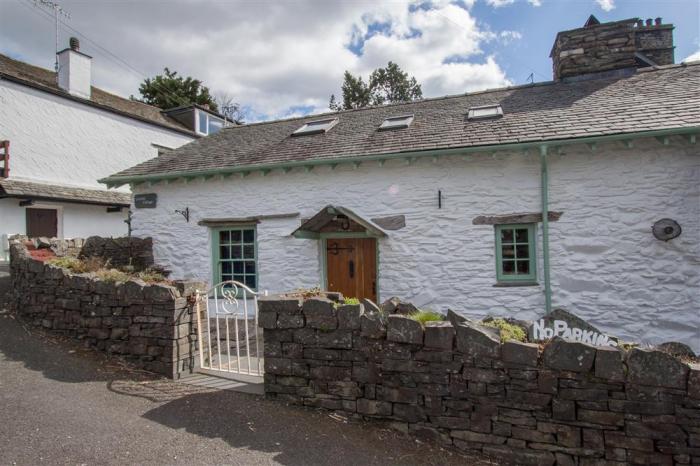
{"x":385,"y":86}
{"x":171,"y":90}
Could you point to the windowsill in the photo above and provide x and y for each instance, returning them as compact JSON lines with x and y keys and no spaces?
{"x":514,"y":284}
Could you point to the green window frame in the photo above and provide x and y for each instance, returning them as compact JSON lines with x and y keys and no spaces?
{"x":235,"y":255}
{"x":516,"y":256}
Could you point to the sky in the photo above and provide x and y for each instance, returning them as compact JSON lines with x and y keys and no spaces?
{"x":285,"y":58}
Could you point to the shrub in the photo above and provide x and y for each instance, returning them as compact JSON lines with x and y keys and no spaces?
{"x":508,"y":331}
{"x":426,"y":316}
{"x":71,"y":263}
{"x":351,"y":301}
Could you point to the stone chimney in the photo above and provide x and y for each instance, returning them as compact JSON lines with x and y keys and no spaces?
{"x":607,"y":47}
{"x":74,"y":70}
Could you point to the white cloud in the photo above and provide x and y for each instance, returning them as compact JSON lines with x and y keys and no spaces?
{"x":499,"y":3}
{"x":606,"y":5}
{"x":693,"y":57}
{"x":276,"y":58}
{"x":535,"y":2}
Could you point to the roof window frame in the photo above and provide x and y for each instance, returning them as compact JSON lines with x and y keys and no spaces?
{"x":306,"y":130}
{"x":387,"y":126}
{"x":472,"y":110}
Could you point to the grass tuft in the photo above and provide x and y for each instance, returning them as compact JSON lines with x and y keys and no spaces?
{"x":351,"y":301}
{"x":426,"y":316}
{"x":508,"y":331}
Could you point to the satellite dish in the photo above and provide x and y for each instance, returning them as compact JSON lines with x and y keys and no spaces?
{"x":666,"y":229}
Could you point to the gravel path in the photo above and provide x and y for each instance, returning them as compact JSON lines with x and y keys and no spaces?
{"x":62,"y":404}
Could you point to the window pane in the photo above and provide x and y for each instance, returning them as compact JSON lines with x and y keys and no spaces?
{"x":250,"y":267}
{"x":239,"y":278}
{"x":224,"y":237}
{"x":225,"y":277}
{"x":509,"y":267}
{"x":523,"y":267}
{"x":521,"y":235}
{"x":250,"y":281}
{"x":202,"y":122}
{"x":236,"y":236}
{"x":506,"y":236}
{"x":215,"y":125}
{"x":248,"y":236}
{"x":523,"y":251}
{"x":226,"y":267}
{"x":249,"y":251}
{"x":238,"y":267}
{"x":508,"y":252}
{"x":225,"y":252}
{"x":236,"y":252}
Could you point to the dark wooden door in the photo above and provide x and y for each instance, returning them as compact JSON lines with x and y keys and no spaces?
{"x":351,"y":267}
{"x":42,"y":222}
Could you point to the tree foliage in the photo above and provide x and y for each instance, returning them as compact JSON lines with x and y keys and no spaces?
{"x":385,"y":86}
{"x":172,"y":90}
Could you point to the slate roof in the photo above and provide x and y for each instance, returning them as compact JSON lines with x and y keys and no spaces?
{"x":43,"y":79}
{"x":650,"y":99}
{"x":31,"y":190}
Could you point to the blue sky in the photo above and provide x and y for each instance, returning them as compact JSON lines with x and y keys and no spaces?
{"x":285,"y":58}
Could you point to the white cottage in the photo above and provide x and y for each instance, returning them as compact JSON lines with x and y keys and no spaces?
{"x":59,"y":135}
{"x":440,"y":201}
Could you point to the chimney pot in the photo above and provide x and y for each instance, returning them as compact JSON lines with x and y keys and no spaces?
{"x":74,"y":43}
{"x":640,"y":23}
{"x":649,"y":22}
{"x":657,"y":21}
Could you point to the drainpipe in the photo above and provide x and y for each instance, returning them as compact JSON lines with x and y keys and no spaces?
{"x":545,"y":226}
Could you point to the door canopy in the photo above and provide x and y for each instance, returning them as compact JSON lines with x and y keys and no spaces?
{"x":337,"y":219}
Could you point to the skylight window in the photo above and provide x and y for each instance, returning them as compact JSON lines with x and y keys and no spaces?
{"x":397,"y":122}
{"x":487,"y":111}
{"x":316,"y":127}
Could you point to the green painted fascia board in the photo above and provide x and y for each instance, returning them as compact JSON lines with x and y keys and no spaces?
{"x":116,"y":181}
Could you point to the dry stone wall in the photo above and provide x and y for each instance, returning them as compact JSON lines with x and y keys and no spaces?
{"x":149,"y":325}
{"x":454,"y":381}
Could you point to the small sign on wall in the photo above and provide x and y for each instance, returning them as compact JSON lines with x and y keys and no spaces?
{"x":145,"y":201}
{"x":560,"y":323}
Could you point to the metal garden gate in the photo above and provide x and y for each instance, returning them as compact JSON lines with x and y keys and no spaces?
{"x":229,"y":339}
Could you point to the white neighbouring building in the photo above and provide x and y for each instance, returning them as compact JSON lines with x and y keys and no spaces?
{"x":440,"y":201}
{"x":61,"y":135}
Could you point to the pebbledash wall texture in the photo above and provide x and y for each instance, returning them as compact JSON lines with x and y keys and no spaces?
{"x":151,"y":326}
{"x":455,"y":382}
{"x":606,"y":265}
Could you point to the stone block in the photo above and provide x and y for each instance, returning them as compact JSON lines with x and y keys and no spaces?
{"x":330,"y":373}
{"x":278,"y":366}
{"x":397,"y":395}
{"x":373,"y":325}
{"x":507,"y":455}
{"x":475,"y":374}
{"x":694,"y":381}
{"x":267,"y":319}
{"x":563,"y":410}
{"x":474,"y":340}
{"x":320,"y":313}
{"x":606,"y":418}
{"x":408,"y":412}
{"x":337,"y":339}
{"x":656,"y":368}
{"x":403,"y":329}
{"x":370,"y":306}
{"x":279,"y":304}
{"x":373,"y":407}
{"x":439,"y":335}
{"x":532,"y":435}
{"x":477,"y":437}
{"x":569,"y":356}
{"x":344,"y":389}
{"x":515,"y":352}
{"x":159,"y":293}
{"x":608,"y":364}
{"x":617,"y":439}
{"x":349,"y":316}
{"x":288,"y":320}
{"x":322,"y":354}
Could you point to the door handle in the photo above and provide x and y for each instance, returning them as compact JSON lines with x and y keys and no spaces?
{"x":351,"y":264}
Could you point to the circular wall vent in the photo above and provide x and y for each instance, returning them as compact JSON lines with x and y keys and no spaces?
{"x":666,"y":229}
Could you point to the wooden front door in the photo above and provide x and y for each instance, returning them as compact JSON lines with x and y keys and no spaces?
{"x":351,"y":267}
{"x":42,"y":222}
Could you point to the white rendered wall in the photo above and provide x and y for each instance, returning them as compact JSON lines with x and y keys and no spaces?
{"x":605,"y":264}
{"x":59,"y":141}
{"x":74,"y":221}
